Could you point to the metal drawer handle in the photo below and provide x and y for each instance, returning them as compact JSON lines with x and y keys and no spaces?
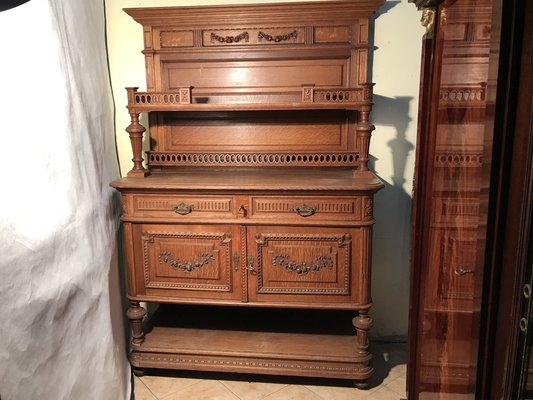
{"x":182,"y":208}
{"x":461,"y":271}
{"x":304,"y":210}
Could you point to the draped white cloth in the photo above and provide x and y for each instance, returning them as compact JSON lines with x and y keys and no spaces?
{"x":61,"y":321}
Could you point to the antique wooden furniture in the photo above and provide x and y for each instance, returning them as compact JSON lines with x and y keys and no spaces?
{"x":454,"y":148}
{"x":257,"y":198}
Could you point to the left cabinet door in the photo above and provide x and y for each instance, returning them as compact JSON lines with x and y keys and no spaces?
{"x":180,"y":263}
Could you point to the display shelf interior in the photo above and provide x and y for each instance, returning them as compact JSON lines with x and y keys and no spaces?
{"x":240,"y":339}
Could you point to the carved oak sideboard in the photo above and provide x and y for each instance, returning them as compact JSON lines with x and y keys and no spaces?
{"x":252,"y":223}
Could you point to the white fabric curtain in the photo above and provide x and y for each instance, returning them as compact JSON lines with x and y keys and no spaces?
{"x":61,"y":321}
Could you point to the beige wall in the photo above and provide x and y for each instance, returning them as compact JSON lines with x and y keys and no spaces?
{"x":395,"y":69}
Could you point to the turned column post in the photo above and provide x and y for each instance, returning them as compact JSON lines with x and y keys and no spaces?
{"x":136,"y":314}
{"x":364,"y":131}
{"x":364,"y":128}
{"x":136,"y":131}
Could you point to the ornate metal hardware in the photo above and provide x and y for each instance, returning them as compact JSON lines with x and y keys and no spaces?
{"x":461,"y":271}
{"x":277,"y":38}
{"x":304,"y":210}
{"x":230,"y":39}
{"x":182,"y":208}
{"x":243,"y":211}
{"x":167,"y":257}
{"x":283,"y":260}
{"x":250,"y":266}
{"x":236,"y":261}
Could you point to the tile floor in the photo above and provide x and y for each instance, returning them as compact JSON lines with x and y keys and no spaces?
{"x":387,"y":383}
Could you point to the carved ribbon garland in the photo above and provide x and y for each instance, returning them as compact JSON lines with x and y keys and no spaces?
{"x":278,"y":38}
{"x":186,"y":266}
{"x":283,"y":260}
{"x":230,"y":39}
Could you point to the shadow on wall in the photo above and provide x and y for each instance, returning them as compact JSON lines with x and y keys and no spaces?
{"x":392,"y":232}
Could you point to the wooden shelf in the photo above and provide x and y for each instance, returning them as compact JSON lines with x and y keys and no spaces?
{"x":268,"y":341}
{"x":309,"y":98}
{"x":312,"y":180}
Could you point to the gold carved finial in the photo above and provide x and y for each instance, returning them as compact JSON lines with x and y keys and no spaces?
{"x":428,"y":20}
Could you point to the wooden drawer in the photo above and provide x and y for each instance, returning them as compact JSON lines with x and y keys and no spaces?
{"x":180,"y":207}
{"x":186,"y":261}
{"x":306,"y":208}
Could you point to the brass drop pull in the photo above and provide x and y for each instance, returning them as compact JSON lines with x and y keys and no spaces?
{"x":304,"y":210}
{"x":250,"y":266}
{"x":182,"y":208}
{"x":236,"y":261}
{"x":461,"y":271}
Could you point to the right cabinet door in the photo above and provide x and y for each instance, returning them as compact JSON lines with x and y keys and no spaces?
{"x":317,"y":267}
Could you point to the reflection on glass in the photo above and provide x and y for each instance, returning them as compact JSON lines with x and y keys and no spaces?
{"x":452,"y":274}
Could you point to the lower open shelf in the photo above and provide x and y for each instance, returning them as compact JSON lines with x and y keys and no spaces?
{"x":309,"y":343}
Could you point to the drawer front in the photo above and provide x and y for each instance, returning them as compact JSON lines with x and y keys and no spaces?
{"x":180,"y":207}
{"x":186,"y":261}
{"x":308,"y":265}
{"x":306,"y":208}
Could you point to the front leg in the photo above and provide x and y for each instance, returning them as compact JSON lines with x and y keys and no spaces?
{"x":136,"y":314}
{"x":362,"y":324}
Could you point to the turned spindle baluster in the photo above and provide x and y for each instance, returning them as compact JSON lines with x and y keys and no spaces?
{"x":136,"y":131}
{"x":364,"y":131}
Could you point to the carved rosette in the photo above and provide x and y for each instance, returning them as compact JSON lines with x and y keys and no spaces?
{"x":307,"y":94}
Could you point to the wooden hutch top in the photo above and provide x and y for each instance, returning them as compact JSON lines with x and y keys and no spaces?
{"x":264,"y":86}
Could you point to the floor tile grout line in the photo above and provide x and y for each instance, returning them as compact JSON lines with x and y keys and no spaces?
{"x":180,"y":390}
{"x":146,"y":386}
{"x":316,"y":394}
{"x":276,"y":391}
{"x":236,"y":395}
{"x":368,"y":394}
{"x":395,"y":391}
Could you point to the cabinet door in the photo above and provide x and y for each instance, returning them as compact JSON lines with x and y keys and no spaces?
{"x":183,"y":262}
{"x":318,"y":267}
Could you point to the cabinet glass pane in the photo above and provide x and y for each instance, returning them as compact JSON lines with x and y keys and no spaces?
{"x":451,"y":271}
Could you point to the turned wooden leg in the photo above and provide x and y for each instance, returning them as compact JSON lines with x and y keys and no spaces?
{"x":136,"y":314}
{"x":362,"y":324}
